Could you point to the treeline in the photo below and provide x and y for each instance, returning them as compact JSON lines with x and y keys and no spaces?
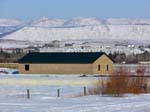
{"x":132,"y":58}
{"x":10,"y":57}
{"x":116,"y":56}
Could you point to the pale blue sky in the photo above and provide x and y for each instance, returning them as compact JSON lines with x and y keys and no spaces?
{"x":33,"y":9}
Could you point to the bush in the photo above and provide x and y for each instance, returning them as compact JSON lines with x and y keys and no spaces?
{"x":122,"y":82}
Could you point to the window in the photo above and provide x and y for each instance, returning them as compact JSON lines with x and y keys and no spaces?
{"x":107,"y":67}
{"x":99,"y":67}
{"x":27,"y":67}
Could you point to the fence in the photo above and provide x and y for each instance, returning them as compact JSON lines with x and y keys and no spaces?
{"x":85,"y":91}
{"x":28,"y":93}
{"x":59,"y":91}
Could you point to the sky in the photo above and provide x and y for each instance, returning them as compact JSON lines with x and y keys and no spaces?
{"x":66,"y":9}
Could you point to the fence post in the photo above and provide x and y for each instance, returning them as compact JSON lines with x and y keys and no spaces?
{"x":28,"y":94}
{"x":58,"y":93}
{"x":84,"y":91}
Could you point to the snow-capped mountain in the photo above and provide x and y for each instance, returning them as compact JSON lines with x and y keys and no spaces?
{"x":75,"y":22}
{"x":46,"y":22}
{"x":83,"y":28}
{"x":7,"y":26}
{"x":130,"y":32}
{"x":9,"y":22}
{"x":125,"y":21}
{"x":79,"y":21}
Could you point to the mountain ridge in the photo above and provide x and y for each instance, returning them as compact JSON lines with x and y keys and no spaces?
{"x":46,"y":29}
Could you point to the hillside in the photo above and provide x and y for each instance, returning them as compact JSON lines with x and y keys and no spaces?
{"x":8,"y":26}
{"x":46,"y":22}
{"x":84,"y":28}
{"x":123,"y":32}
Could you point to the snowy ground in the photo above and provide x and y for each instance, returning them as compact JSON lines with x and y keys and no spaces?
{"x":40,"y":103}
{"x":43,"y":90}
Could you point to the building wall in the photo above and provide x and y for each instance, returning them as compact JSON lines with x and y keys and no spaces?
{"x":103,"y":61}
{"x":57,"y":69}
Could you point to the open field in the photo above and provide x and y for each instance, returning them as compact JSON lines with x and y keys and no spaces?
{"x":45,"y":80}
{"x":43,"y":96}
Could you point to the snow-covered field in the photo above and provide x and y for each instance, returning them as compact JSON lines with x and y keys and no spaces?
{"x":40,"y":103}
{"x":43,"y":91}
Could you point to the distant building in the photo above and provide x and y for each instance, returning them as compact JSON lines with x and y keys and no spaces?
{"x":30,"y":49}
{"x":18,"y":50}
{"x":13,"y":50}
{"x":85,"y":47}
{"x":66,"y":63}
{"x":55,"y":44}
{"x":68,"y":44}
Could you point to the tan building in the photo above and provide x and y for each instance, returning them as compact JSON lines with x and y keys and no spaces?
{"x":66,"y":63}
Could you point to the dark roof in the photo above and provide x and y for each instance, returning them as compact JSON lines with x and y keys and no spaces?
{"x":68,"y":57}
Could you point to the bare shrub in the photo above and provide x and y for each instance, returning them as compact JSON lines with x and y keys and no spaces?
{"x":118,"y":83}
{"x":140,"y":83}
{"x":97,"y":89}
{"x":122,"y":82}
